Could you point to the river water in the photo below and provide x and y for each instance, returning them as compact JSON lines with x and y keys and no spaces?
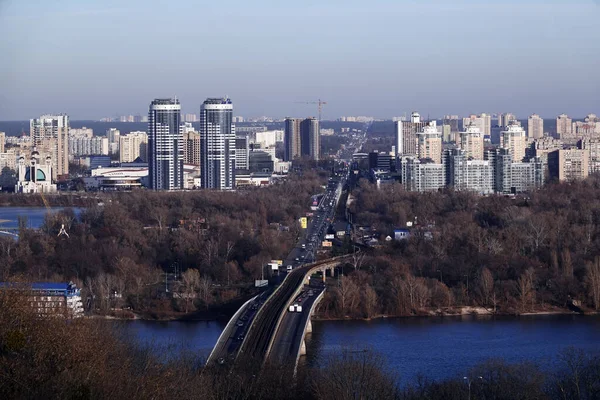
{"x":9,"y":216}
{"x":434,"y":347}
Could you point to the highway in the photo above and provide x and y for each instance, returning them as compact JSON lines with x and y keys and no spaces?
{"x":236,"y":333}
{"x":288,"y":338}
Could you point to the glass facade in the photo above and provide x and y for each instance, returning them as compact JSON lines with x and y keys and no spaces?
{"x":165,"y":145}
{"x":217,"y":144}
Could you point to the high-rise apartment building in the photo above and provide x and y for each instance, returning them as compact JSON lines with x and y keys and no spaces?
{"x":268,"y":138}
{"x":310,"y":137}
{"x":81,"y":132}
{"x":564,"y":127}
{"x":541,"y":147}
{"x":86,"y":146}
{"x":568,"y":164}
{"x":452,"y":121}
{"x":302,"y":138}
{"x":507,"y":119}
{"x":592,"y":146}
{"x":535,"y":127}
{"x":242,"y":152}
{"x":406,"y":135}
{"x":217,"y":144}
{"x":420,"y":176}
{"x":514,"y":138}
{"x":191,"y":118}
{"x":292,"y":139}
{"x":191,"y":150}
{"x":165,"y":145}
{"x":2,"y":141}
{"x":515,"y":177}
{"x":471,"y":175}
{"x":429,"y":144}
{"x":113,"y":135}
{"x":50,"y":134}
{"x":132,"y":146}
{"x":588,"y":128}
{"x":483,"y":122}
{"x":471,"y":141}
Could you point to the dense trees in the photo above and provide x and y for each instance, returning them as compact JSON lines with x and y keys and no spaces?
{"x":507,"y":255}
{"x":122,"y":244}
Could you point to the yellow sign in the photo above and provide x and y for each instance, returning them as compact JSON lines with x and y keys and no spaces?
{"x":278,"y":262}
{"x":303,"y":222}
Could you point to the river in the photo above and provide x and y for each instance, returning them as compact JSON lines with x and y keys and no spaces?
{"x":434,"y":347}
{"x":9,"y":216}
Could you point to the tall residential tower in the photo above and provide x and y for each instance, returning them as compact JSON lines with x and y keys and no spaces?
{"x":50,"y":134}
{"x":217,"y":144}
{"x":165,"y":145}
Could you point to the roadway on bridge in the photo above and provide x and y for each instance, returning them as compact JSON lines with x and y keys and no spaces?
{"x":288,"y":339}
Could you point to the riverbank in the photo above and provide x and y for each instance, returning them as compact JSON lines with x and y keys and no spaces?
{"x":458,"y":312}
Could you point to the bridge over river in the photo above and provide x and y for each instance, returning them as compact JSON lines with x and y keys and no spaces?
{"x":265,"y":330}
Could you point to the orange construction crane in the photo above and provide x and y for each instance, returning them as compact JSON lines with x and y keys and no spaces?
{"x":318,"y":102}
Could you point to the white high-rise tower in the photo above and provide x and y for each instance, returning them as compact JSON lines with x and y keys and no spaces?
{"x":165,"y":145}
{"x":217,"y":144}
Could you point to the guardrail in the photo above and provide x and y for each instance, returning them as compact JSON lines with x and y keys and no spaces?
{"x":234,"y":318}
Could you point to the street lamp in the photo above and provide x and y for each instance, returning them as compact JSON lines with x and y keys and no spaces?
{"x":469,"y":382}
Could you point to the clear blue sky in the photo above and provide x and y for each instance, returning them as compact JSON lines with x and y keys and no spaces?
{"x":95,"y":58}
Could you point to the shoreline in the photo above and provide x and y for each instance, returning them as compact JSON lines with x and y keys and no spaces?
{"x":316,"y":317}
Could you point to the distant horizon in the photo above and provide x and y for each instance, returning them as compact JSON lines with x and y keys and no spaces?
{"x":383,"y":58}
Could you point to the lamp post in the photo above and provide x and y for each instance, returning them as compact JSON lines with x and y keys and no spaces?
{"x":469,"y":382}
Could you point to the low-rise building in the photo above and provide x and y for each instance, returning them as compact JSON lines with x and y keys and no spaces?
{"x":49,"y":299}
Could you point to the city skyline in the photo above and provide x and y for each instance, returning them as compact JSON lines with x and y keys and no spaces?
{"x":454,"y":51}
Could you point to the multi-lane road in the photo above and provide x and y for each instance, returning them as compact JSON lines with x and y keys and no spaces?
{"x":235,"y":333}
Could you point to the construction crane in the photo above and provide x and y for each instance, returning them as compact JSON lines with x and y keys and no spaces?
{"x":320,"y":104}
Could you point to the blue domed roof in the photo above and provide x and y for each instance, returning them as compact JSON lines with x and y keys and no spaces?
{"x":39,"y":175}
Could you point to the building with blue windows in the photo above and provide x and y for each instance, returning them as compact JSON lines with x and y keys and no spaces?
{"x":49,"y":298}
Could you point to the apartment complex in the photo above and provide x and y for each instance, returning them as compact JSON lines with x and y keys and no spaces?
{"x":535,"y":127}
{"x":132,"y":146}
{"x":302,"y":138}
{"x":217,"y":144}
{"x":49,"y":134}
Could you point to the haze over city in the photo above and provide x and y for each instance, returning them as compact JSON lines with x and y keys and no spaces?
{"x":383,"y":58}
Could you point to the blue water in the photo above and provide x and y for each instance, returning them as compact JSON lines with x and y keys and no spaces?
{"x":434,"y":347}
{"x":9,"y":216}
{"x":441,"y":348}
{"x":197,"y":338}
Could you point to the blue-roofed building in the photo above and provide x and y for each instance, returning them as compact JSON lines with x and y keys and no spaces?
{"x":50,"y":298}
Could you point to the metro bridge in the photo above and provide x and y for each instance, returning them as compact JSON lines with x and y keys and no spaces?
{"x":265,"y":330}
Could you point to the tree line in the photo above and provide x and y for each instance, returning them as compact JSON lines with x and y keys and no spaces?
{"x":121,"y":245}
{"x":503,"y":254}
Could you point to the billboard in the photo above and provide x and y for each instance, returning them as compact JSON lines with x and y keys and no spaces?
{"x":278,"y":262}
{"x":303,"y":223}
{"x":274,"y":266}
{"x":327,"y":243}
{"x":330,"y":236}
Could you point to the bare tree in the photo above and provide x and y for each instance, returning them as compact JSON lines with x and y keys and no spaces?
{"x":205,"y":289}
{"x":191,"y":282}
{"x":369,"y":300}
{"x":357,"y":260}
{"x":526,"y":288}
{"x":593,"y":281}
{"x":486,"y":285}
{"x":566,"y":263}
{"x":347,"y":293}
